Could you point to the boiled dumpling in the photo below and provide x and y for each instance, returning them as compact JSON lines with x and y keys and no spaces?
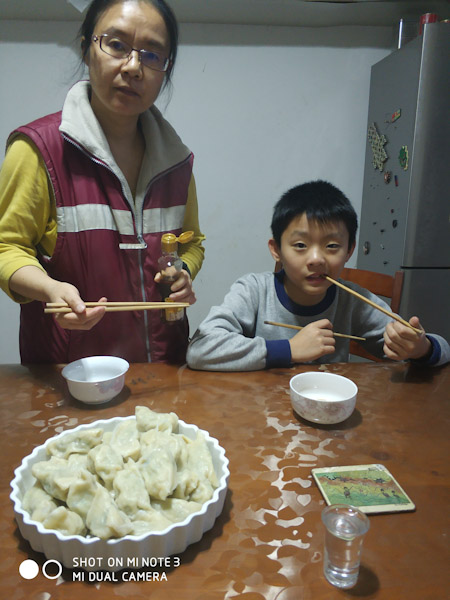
{"x":55,"y":476}
{"x":203,"y":492}
{"x":187,"y":483}
{"x":79,"y":461}
{"x":149,"y":520}
{"x":104,"y":519}
{"x":79,"y":442}
{"x":81,"y":493}
{"x":125,"y":440}
{"x":65,"y":521}
{"x":106,"y":462}
{"x":158,"y":469}
{"x":38,"y":503}
{"x":176,"y":509}
{"x":200,"y":460}
{"x":174,"y":442}
{"x":131,"y":493}
{"x":148,"y":419}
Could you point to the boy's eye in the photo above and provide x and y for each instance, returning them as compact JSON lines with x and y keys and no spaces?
{"x":333,"y":246}
{"x":300,"y":245}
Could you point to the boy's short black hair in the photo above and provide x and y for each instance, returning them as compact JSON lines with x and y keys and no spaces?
{"x":320,"y":201}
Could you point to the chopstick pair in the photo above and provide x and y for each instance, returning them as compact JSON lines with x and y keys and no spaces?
{"x":373,"y":304}
{"x":62,"y":307}
{"x":298,"y":327}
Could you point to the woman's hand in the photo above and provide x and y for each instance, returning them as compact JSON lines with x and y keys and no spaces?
{"x":313,"y":341}
{"x":402,"y":343}
{"x":181,"y":288}
{"x":81,"y":318}
{"x":34,"y":283}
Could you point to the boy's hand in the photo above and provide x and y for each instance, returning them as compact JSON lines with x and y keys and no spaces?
{"x":313,"y":341}
{"x":401,"y":342}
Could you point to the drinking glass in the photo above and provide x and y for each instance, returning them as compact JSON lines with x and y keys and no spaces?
{"x":345,"y":527}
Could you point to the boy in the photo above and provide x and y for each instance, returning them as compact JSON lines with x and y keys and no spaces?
{"x":314,"y":234}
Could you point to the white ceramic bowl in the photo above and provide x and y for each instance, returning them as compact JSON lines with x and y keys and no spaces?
{"x":323,"y":397}
{"x":96,"y":379}
{"x":69,"y":549}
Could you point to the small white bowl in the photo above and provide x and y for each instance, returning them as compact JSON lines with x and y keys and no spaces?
{"x":321,"y":397}
{"x":113,"y":554}
{"x":96,"y":379}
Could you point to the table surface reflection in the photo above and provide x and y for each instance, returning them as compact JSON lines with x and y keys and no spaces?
{"x":267,"y":543}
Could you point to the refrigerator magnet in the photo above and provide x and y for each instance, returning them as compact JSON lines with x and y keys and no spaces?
{"x":403,"y":157}
{"x":377,"y":143}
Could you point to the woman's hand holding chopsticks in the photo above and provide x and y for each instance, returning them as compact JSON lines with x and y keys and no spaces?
{"x":82,"y":317}
{"x":34,"y":283}
{"x":71,"y":312}
{"x":83,"y":320}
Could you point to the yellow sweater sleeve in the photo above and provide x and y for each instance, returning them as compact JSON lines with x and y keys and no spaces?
{"x":27,"y":216}
{"x":193,"y":252}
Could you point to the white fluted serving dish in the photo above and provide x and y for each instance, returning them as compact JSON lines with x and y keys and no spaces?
{"x":172,"y":540}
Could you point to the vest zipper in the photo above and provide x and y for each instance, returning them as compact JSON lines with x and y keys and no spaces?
{"x":144,"y":297}
{"x":139,"y":247}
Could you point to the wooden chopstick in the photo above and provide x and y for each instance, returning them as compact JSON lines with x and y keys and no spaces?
{"x":343,"y":335}
{"x":61,"y":307}
{"x":119,"y":303}
{"x":373,"y":304}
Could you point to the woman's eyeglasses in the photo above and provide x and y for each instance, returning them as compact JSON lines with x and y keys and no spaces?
{"x":115,"y":47}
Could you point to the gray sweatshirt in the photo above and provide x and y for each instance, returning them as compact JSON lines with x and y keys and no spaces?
{"x":234,"y":337}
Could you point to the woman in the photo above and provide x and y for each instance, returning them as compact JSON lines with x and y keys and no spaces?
{"x":86,"y":193}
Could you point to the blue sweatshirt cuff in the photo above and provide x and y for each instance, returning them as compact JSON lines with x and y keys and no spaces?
{"x":278,"y":353}
{"x":434,"y":357}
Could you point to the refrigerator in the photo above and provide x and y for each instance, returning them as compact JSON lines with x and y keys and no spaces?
{"x":405,"y":211}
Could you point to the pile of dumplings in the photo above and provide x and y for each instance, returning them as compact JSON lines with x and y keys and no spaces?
{"x":141,"y":477}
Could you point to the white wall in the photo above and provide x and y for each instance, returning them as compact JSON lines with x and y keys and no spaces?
{"x":262,"y":108}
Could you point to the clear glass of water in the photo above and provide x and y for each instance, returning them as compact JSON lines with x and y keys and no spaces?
{"x":345,"y":527}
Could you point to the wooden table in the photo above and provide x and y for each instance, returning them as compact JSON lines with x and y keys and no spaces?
{"x":267,"y":544}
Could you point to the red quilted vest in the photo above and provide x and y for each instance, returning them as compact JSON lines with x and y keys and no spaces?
{"x":89,"y":257}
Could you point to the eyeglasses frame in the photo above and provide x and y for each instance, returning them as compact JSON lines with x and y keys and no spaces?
{"x":98,"y":38}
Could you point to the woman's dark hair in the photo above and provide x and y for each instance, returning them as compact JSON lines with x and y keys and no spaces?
{"x":320,"y":201}
{"x":98,"y":7}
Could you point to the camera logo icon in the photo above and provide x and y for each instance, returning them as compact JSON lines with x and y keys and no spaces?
{"x":29,"y":569}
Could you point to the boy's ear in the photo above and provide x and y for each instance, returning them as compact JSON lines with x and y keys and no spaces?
{"x":350,"y":252}
{"x":274,"y":250}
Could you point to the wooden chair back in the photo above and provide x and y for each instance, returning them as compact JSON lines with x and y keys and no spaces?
{"x":388,"y":286}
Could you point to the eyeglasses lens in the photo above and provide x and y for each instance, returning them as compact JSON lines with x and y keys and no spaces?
{"x":118,"y":49}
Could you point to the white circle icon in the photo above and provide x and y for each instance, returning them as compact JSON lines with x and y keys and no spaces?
{"x":28,"y":569}
{"x":44,"y":569}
